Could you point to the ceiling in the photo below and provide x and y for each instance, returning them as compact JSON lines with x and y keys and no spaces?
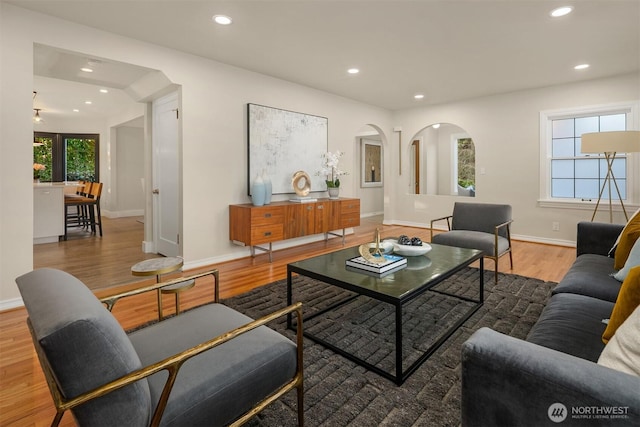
{"x":447,"y":50}
{"x":61,"y":87}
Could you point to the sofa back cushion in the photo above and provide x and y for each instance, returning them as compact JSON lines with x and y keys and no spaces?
{"x":85,"y":347}
{"x":480,"y":217}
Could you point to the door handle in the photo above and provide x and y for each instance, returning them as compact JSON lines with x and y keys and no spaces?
{"x":156,"y":191}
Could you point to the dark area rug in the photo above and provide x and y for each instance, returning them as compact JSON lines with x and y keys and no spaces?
{"x":339,"y":392}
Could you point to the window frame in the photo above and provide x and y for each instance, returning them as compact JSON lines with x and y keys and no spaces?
{"x":630,"y":109}
{"x":58,"y":156}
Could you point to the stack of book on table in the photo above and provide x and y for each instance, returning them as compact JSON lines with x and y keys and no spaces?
{"x":392,"y":263}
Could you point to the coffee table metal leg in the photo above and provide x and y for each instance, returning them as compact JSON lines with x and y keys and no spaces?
{"x":289,"y":296}
{"x":481,"y":280}
{"x":398,"y":378}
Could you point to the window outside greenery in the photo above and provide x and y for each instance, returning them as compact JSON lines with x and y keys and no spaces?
{"x":66,"y":157}
{"x":80,"y":159}
{"x":42,"y":154}
{"x":466,"y":163}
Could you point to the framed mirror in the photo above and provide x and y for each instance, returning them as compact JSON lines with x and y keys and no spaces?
{"x":442,"y":159}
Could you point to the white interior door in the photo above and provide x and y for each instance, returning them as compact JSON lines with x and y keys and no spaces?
{"x":166,"y":175}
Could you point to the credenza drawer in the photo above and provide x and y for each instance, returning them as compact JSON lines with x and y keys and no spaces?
{"x":350,"y":220}
{"x":267,"y":233}
{"x":349,"y":207}
{"x":267,"y":215}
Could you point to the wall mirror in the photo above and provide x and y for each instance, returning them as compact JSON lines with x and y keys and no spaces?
{"x":371,"y":161}
{"x":442,"y":159}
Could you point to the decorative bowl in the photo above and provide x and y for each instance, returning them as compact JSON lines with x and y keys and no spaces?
{"x":409,"y":250}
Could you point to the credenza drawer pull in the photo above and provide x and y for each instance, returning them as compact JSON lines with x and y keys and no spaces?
{"x":309,"y":208}
{"x":267,"y":233}
{"x":267,"y":215}
{"x":320,"y":207}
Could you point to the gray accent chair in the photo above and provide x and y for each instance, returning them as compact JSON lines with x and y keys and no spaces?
{"x":482,"y":226}
{"x":209,"y":366}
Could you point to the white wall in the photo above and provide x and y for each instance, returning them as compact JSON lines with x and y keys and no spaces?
{"x":129,"y":171}
{"x":214,"y":140}
{"x":505,"y":131}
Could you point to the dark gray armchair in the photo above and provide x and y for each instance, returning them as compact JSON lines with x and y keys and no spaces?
{"x":208,"y":366}
{"x":482,"y":226}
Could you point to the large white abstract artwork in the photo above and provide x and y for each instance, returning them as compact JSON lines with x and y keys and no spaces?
{"x":283,"y":142}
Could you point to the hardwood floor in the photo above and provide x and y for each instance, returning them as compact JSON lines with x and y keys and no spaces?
{"x":99,"y":262}
{"x":24,"y":397}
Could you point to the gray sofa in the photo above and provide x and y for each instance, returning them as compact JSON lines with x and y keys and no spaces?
{"x":511,"y":382}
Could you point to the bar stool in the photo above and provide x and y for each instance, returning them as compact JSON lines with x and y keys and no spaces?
{"x":159,"y":266}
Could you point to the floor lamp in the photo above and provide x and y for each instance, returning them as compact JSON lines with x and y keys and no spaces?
{"x":610,"y":143}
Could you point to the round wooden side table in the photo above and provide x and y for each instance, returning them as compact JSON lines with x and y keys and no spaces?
{"x":159,"y":266}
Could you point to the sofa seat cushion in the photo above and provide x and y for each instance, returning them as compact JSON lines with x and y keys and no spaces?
{"x":590,"y":275}
{"x":472,"y":240}
{"x":201,"y":394}
{"x":572,"y":324}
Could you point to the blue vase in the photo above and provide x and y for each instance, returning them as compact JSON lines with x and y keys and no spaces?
{"x":258,"y":192}
{"x":268,"y":189}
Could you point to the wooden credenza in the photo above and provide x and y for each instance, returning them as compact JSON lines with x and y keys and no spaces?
{"x":253,"y":226}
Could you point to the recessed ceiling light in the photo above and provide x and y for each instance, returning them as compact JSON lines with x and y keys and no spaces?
{"x":581,"y":67}
{"x":87,"y":102}
{"x":86,"y":69}
{"x":353,"y":71}
{"x":104,"y":91}
{"x":75,"y":110}
{"x":436,"y":126}
{"x":561,"y":11}
{"x":222,"y":19}
{"x":418,"y":96}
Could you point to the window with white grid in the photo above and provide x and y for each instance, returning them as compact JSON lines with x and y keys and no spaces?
{"x":569,"y":175}
{"x":580,"y":176}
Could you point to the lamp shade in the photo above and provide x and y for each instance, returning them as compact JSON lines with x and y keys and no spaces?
{"x":626,"y":141}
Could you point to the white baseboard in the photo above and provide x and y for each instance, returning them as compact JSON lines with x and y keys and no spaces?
{"x":148,"y":247}
{"x":11,"y":303}
{"x":370,"y":214}
{"x":123,"y":214}
{"x":521,"y":237}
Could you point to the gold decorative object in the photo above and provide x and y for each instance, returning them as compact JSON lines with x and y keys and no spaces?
{"x":375,"y":256}
{"x":301,"y":183}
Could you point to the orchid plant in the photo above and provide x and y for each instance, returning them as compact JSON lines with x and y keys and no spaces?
{"x":330,"y":169}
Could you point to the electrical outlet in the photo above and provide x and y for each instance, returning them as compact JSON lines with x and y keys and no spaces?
{"x":555,"y":226}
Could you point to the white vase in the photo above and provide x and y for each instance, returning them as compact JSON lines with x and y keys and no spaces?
{"x":334,"y":192}
{"x":268,"y":189}
{"x":258,"y":192}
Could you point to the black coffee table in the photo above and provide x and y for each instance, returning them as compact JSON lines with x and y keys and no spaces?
{"x":399,"y":288}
